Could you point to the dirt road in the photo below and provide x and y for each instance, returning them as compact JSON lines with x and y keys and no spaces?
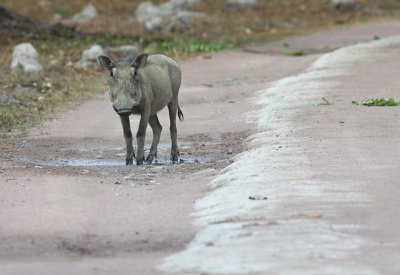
{"x":61,"y":210}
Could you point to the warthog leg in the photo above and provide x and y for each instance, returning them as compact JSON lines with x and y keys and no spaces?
{"x":156,"y":126}
{"x":140,"y":136}
{"x":130,"y":153}
{"x":173,"y":108}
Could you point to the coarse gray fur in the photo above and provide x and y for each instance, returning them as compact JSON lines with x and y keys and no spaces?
{"x":144,"y":85}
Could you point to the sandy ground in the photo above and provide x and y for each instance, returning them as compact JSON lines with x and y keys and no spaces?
{"x":63,"y":213}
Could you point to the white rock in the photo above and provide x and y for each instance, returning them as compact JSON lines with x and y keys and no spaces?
{"x":146,"y":10}
{"x":123,"y":50}
{"x":240,"y":4}
{"x":182,"y":21}
{"x":89,"y":56}
{"x":153,"y":24}
{"x":344,"y":4}
{"x":88,"y":13}
{"x":92,"y":53}
{"x":170,"y":15}
{"x":179,"y":4}
{"x":26,"y":57}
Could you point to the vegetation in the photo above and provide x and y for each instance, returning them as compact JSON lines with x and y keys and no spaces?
{"x":380,"y":102}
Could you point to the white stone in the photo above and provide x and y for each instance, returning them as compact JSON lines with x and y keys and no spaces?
{"x":146,"y":10}
{"x":170,"y":15}
{"x":344,"y":4}
{"x":26,"y":57}
{"x":88,"y":13}
{"x":239,"y":4}
{"x":122,"y":50}
{"x":92,"y":53}
{"x":89,"y":56}
{"x":153,"y":24}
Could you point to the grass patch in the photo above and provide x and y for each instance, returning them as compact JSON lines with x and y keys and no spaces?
{"x":377,"y":37}
{"x":291,"y":52}
{"x":7,"y":118}
{"x":63,"y":11}
{"x":35,"y":97}
{"x":380,"y":102}
{"x":182,"y":48}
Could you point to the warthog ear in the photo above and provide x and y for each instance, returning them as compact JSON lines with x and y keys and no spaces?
{"x":139,"y":61}
{"x":105,"y":62}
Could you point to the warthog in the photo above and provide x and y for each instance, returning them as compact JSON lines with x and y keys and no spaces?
{"x":144,"y":85}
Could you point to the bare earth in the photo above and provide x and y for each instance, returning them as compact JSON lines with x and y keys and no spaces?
{"x":62,"y":212}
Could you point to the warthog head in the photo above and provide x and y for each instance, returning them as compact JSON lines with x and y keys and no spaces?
{"x":124,"y":82}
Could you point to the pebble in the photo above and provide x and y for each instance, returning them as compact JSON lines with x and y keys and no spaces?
{"x":257,"y":197}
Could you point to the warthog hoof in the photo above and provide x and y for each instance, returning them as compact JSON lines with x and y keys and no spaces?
{"x":149,"y":159}
{"x":139,"y":161}
{"x":174,"y":158}
{"x":129,"y":161}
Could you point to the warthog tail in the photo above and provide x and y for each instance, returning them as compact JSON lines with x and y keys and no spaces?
{"x":180,"y":114}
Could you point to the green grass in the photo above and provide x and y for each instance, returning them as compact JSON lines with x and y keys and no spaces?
{"x":184,"y":47}
{"x":63,"y":11}
{"x":7,"y":118}
{"x":38,"y":96}
{"x":291,"y":52}
{"x":376,"y":37}
{"x":380,"y":102}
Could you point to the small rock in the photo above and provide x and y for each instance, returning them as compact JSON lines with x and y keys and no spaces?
{"x":182,"y":21}
{"x":230,"y":152}
{"x":241,"y":4}
{"x":153,"y":24}
{"x":344,"y":5}
{"x":117,"y":181}
{"x":170,"y":16}
{"x":88,"y":13}
{"x":124,"y":50}
{"x":257,"y":197}
{"x":26,"y":58}
{"x":146,"y":10}
{"x":89,"y":57}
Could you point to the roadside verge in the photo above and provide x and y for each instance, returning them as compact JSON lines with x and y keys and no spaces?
{"x":312,"y":163}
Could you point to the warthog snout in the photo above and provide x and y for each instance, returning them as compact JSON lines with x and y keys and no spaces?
{"x":124,"y":111}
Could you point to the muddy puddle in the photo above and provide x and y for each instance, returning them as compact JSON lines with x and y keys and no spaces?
{"x":85,"y":155}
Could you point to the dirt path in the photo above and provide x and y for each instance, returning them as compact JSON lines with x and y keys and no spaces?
{"x":60,"y":208}
{"x":64,"y":211}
